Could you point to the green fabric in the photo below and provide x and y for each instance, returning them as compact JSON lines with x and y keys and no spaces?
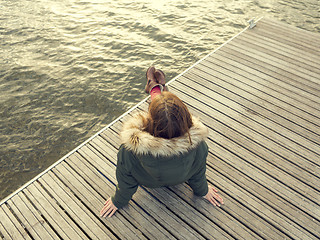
{"x":153,"y":172}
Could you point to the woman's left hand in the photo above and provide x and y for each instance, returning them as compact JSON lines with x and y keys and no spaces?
{"x":108,"y":209}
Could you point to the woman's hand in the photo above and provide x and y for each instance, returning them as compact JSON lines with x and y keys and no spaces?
{"x":213,"y":197}
{"x":108,"y":209}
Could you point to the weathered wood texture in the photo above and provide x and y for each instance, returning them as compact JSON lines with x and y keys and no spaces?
{"x":259,"y":95}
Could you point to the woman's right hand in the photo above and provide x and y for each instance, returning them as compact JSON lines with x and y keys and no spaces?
{"x":213,"y":197}
{"x":108,"y":209}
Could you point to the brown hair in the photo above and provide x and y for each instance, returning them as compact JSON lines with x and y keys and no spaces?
{"x":168,"y":117}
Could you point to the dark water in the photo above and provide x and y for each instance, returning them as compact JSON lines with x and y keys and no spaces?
{"x":69,"y":67}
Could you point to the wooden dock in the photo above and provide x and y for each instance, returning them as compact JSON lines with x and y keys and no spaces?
{"x":259,"y":94}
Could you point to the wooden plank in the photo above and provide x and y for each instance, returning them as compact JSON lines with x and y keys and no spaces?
{"x":310,"y":56}
{"x":249,"y":219}
{"x":310,"y":78}
{"x":252,"y":202}
{"x":274,"y":46}
{"x":227,"y":164}
{"x":295,"y":35}
{"x":282,"y":67}
{"x":110,"y":136}
{"x":267,"y":185}
{"x":281,"y":54}
{"x":288,"y":37}
{"x":265,"y":166}
{"x":174,"y":226}
{"x":278,"y":55}
{"x":275,"y":183}
{"x":40,"y":218}
{"x":138,"y":217}
{"x":241,"y":104}
{"x":309,"y":34}
{"x":32,"y":221}
{"x":240,"y":127}
{"x":11,"y":228}
{"x":259,"y":126}
{"x":243,"y":82}
{"x":260,"y":75}
{"x":294,"y":47}
{"x":280,"y":24}
{"x":84,"y":218}
{"x":293,"y":38}
{"x":93,"y":200}
{"x":5,"y":234}
{"x":250,"y":104}
{"x":117,"y":126}
{"x":53,"y":213}
{"x":218,"y":216}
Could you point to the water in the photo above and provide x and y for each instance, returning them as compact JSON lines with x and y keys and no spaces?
{"x":69,"y":67}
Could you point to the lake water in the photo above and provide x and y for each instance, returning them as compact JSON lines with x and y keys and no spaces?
{"x":69,"y":67}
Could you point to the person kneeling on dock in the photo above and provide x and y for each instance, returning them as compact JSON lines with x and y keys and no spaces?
{"x":163,"y":147}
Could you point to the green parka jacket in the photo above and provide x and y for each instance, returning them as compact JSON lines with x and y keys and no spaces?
{"x":157,"y":162}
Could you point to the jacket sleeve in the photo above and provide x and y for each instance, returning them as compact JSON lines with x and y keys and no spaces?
{"x":127,"y":184}
{"x":198,"y":182}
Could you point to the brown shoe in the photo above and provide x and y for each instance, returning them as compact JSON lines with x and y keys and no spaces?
{"x":151,"y":79}
{"x":161,"y":78}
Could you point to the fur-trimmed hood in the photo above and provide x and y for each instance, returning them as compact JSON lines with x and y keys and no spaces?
{"x":141,"y":142}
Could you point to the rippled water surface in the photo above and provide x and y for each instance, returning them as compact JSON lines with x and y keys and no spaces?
{"x":69,"y":67}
